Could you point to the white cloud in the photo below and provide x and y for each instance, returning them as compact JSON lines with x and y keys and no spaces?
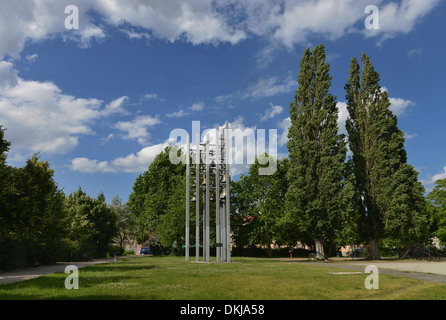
{"x":137,"y":128}
{"x":199,"y":106}
{"x":400,"y":17}
{"x":271,"y":112}
{"x":398,"y":105}
{"x":131,"y":163}
{"x":31,"y":57}
{"x":430,"y":181}
{"x":89,"y":166}
{"x":33,"y":21}
{"x":193,"y":20}
{"x":285,"y":125}
{"x":132,"y":34}
{"x":177,"y":114}
{"x":139,"y":161}
{"x":342,"y":116}
{"x":39,"y":117}
{"x":265,"y":87}
{"x":288,"y":22}
{"x":331,"y":19}
{"x":268,"y":87}
{"x":409,"y":136}
{"x":414,"y":52}
{"x":116,"y":105}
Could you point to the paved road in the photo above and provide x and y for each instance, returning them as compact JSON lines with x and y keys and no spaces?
{"x":431,"y":271}
{"x":30,"y":273}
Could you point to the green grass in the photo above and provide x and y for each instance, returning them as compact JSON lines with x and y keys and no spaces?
{"x":245,"y":279}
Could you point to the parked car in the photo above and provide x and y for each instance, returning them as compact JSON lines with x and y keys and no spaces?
{"x":145,"y":251}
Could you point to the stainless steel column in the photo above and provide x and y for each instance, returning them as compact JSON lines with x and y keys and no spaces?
{"x":187,"y":196}
{"x":217,"y":193}
{"x":197,"y":198}
{"x":208,"y":251}
{"x":228,"y":195}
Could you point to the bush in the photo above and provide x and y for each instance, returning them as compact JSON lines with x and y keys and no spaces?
{"x":263,"y":252}
{"x":158,"y":249}
{"x":12,"y":255}
{"x":115,"y":250}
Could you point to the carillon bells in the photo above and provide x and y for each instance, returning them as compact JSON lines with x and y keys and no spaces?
{"x":194,"y":197}
{"x":223,"y":194}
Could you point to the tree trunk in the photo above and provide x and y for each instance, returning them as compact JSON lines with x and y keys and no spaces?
{"x":270,"y":250}
{"x":373,"y":250}
{"x":319,"y":249}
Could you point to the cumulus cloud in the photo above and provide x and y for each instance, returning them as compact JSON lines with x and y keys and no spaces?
{"x":139,"y":161}
{"x":39,"y":117}
{"x":32,"y":20}
{"x":271,"y":112}
{"x":134,"y":162}
{"x":284,"y":125}
{"x":288,"y":22}
{"x":137,"y":128}
{"x":400,"y":17}
{"x":430,"y":181}
{"x":399,"y":106}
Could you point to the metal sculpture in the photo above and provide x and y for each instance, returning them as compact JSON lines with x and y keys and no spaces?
{"x":210,"y":168}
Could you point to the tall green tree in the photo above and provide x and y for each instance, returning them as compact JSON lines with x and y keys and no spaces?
{"x":149,"y":200}
{"x":171,"y":227}
{"x":125,"y":222}
{"x":316,"y":153}
{"x":34,"y":201}
{"x":389,"y":195}
{"x":93,"y":225}
{"x":5,"y":183}
{"x":437,"y":209}
{"x":32,"y":216}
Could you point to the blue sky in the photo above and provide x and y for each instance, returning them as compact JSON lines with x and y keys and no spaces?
{"x":100,"y":102}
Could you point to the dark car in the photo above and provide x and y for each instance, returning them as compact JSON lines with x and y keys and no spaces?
{"x":145,"y":251}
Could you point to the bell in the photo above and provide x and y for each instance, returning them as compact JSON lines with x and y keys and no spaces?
{"x":204,"y":181}
{"x":212,"y":183}
{"x":194,"y":198}
{"x":223,"y":179}
{"x":212,"y":197}
{"x":223,"y":194}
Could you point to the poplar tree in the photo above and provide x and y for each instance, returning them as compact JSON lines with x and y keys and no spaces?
{"x":316,"y":154}
{"x":390,"y":201}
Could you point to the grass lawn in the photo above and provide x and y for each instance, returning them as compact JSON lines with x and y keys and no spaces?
{"x":169,"y":278}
